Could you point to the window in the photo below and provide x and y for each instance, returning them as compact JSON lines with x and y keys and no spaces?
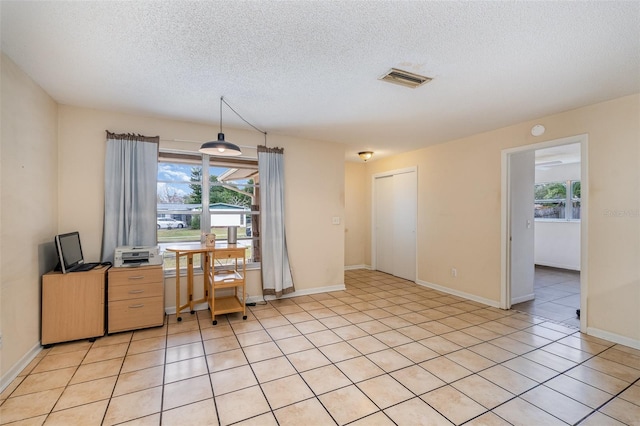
{"x":189,"y":184}
{"x":557,"y":200}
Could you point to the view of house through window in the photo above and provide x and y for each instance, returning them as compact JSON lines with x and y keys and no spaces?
{"x":225,"y":189}
{"x":557,"y":200}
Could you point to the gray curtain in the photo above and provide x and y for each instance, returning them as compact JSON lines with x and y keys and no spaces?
{"x":131,"y":169}
{"x":276,"y":271}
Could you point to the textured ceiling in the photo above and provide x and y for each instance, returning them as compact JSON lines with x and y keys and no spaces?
{"x":310,"y":69}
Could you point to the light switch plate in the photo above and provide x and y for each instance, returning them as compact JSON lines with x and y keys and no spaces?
{"x":335,"y":220}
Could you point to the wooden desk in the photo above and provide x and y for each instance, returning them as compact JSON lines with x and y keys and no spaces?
{"x":188,"y":250}
{"x":221,"y":250}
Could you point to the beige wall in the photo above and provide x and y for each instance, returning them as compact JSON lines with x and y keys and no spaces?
{"x":459,"y":209}
{"x":28,"y":221}
{"x":314,"y":188}
{"x":50,"y":154}
{"x":52,"y":173}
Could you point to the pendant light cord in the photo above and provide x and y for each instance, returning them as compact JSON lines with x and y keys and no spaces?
{"x":221,"y":114}
{"x":241,"y":117}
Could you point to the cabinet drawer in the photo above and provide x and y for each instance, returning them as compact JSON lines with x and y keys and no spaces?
{"x":126,"y":276}
{"x":135,"y":291}
{"x":229,"y":253}
{"x":136,"y":313}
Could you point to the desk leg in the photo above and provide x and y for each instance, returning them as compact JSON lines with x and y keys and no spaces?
{"x":205,"y":282}
{"x":178,"y":317}
{"x":209,"y":280}
{"x":190,"y":281}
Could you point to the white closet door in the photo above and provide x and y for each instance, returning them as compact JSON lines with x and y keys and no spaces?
{"x":404,"y":230}
{"x":521,"y":227}
{"x":384,"y":226}
{"x":395,"y":224}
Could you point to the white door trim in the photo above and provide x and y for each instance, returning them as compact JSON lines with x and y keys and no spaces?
{"x":505,"y":285}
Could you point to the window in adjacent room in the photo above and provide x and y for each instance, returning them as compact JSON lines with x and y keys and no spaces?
{"x":557,"y":200}
{"x":225,"y":189}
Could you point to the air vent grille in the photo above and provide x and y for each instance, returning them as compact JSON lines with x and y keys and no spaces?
{"x":405,"y":78}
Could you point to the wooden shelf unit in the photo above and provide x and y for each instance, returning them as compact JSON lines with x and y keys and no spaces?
{"x":73,"y":305}
{"x":135,"y":298}
{"x":227,"y":272}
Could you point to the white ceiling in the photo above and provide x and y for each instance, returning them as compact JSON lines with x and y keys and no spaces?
{"x":310,"y":69}
{"x":558,"y":155}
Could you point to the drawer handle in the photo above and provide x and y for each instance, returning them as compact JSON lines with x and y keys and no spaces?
{"x":136,"y":291}
{"x":141,"y":305}
{"x":138,"y":277}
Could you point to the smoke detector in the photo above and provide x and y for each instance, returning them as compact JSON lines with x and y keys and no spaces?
{"x":405,"y":78}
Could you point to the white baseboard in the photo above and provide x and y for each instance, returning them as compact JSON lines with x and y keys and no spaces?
{"x":353,"y":267}
{"x":612,"y":337}
{"x":306,"y":292}
{"x":13,"y":372}
{"x":524,"y":298}
{"x":458,"y":293}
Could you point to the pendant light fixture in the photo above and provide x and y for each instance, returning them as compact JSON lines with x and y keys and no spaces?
{"x":220,"y":147}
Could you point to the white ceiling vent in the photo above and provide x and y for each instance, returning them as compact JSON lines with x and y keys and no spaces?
{"x":405,"y":78}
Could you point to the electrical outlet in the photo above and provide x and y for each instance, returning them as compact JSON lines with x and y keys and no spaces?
{"x":335,"y":220}
{"x":454,"y":272}
{"x":0,"y":341}
{"x":247,"y":303}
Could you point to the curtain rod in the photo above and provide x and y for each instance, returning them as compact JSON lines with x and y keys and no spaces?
{"x":132,"y":137}
{"x":200,"y":142}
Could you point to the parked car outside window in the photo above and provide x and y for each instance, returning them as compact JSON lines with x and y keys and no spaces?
{"x":169,"y":223}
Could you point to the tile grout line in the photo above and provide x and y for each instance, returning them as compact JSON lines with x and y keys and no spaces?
{"x":548,"y":380}
{"x":164,"y":364}
{"x":254,"y":374}
{"x":534,"y":348}
{"x":518,"y":355}
{"x":414,"y":297}
{"x":209,"y":373}
{"x":608,"y":401}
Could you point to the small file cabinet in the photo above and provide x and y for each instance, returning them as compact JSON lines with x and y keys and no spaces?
{"x":135,"y":298}
{"x":73,"y":305}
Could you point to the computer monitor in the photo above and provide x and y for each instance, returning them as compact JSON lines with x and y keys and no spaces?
{"x":69,"y":251}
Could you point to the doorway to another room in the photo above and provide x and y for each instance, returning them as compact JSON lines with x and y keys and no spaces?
{"x":544,"y":244}
{"x":557,"y":295}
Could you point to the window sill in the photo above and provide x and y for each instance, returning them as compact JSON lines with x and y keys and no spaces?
{"x":558,"y":220}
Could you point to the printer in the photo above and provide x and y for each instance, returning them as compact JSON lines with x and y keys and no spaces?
{"x":131,"y":256}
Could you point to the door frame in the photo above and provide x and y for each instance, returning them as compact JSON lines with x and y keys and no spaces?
{"x":505,"y":263}
{"x":374,"y":235}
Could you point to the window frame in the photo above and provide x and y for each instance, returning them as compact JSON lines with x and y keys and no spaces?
{"x":568,"y":201}
{"x":205,"y":161}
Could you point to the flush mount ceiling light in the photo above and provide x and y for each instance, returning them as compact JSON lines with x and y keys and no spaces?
{"x":405,"y":78}
{"x":221,"y":147}
{"x":365,"y":155}
{"x":537,"y":130}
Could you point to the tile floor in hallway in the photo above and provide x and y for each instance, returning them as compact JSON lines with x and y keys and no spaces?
{"x":383,"y":352}
{"x":557,"y":294}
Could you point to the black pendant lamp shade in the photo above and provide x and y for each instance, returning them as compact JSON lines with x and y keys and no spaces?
{"x":220,"y":147}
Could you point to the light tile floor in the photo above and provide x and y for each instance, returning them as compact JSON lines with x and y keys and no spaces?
{"x":557,"y":295}
{"x":383,"y":352}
